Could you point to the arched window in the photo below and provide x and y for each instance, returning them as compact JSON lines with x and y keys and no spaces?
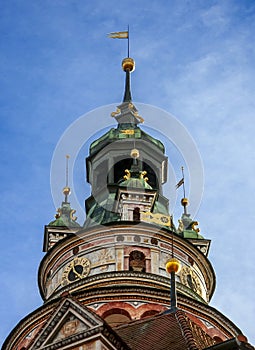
{"x":120,"y":166}
{"x":217,"y":339}
{"x":137,"y":261}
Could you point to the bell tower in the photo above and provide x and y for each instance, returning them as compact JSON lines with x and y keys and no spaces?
{"x":128,"y":278}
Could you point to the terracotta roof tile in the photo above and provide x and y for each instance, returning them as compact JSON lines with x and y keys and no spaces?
{"x":155,"y":333}
{"x":173,"y":331}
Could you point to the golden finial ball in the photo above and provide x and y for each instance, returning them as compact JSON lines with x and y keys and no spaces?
{"x":173,"y":265}
{"x":66,"y":191}
{"x":128,"y":64}
{"x":184,"y":202}
{"x":134,"y":153}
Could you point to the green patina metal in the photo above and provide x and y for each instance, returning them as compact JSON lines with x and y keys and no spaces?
{"x":135,"y":183}
{"x":188,"y":230}
{"x":64,"y":217}
{"x":100,"y":213}
{"x":123,"y":132}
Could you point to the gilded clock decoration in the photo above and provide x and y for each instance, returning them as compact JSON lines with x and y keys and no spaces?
{"x":77,"y":269}
{"x":190,"y":279}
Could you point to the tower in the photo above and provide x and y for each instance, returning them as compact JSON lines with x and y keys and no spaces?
{"x":106,"y":284}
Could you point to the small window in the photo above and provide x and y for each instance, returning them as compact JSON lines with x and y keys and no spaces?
{"x":136,"y":214}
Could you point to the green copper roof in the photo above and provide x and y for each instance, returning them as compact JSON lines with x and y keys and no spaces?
{"x":188,"y":227}
{"x":65,"y":217}
{"x":192,"y":234}
{"x":122,"y":132}
{"x":160,"y":208}
{"x":100,"y":213}
{"x":135,"y":183}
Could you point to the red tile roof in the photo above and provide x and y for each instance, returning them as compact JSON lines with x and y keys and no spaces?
{"x":172,"y":331}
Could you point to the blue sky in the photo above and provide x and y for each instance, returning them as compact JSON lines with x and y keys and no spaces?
{"x":194,"y":59}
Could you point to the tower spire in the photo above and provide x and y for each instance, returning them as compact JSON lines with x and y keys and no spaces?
{"x":67,"y":189}
{"x":128,"y":65}
{"x":126,"y":113}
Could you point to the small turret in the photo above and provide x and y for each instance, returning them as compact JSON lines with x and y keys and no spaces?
{"x":187,"y":226}
{"x":65,"y":214}
{"x":65,"y":220}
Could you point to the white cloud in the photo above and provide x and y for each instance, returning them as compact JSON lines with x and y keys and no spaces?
{"x":215,"y":17}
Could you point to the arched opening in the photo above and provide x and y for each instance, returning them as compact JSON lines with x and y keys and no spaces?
{"x":115,"y":317}
{"x":120,"y":167}
{"x":217,"y":339}
{"x":149,"y":313}
{"x":137,"y":261}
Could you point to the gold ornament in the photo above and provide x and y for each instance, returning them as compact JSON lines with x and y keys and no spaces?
{"x":173,"y":265}
{"x":128,"y":64}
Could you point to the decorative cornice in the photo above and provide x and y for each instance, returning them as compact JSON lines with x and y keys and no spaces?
{"x":122,"y":280}
{"x":100,"y":330}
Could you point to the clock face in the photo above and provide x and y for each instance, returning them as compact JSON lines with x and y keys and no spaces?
{"x":190,"y":279}
{"x":77,"y":269}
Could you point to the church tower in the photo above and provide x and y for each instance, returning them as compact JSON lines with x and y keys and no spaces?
{"x":128,"y":278}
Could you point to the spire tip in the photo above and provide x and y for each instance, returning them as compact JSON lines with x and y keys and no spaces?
{"x":66,"y":189}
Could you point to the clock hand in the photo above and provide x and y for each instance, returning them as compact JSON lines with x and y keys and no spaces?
{"x":75,"y":272}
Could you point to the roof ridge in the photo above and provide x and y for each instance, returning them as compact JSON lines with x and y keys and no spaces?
{"x":186,"y":330}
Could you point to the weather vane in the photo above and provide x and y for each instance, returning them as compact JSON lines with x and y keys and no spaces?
{"x":181,"y":183}
{"x":120,"y":35}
